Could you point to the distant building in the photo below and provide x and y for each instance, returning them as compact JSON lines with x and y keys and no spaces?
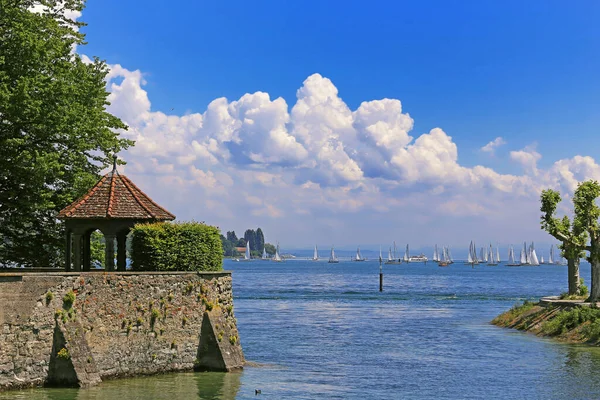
{"x":240,"y":249}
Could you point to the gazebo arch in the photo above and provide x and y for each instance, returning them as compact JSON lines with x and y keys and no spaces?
{"x":114,"y":205}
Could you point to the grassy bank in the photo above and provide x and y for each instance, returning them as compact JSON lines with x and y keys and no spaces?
{"x":573,"y":324}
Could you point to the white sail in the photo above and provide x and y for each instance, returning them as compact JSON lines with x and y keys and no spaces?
{"x":474,"y":250}
{"x":435,"y":253}
{"x":511,"y":255}
{"x":526,"y":254}
{"x":380,"y":257}
{"x":316,"y":254}
{"x":406,"y":254}
{"x":534,"y":259}
{"x":247,"y":254}
{"x":277,"y":257}
{"x":264,"y":255}
{"x":450,"y":260}
{"x":395,"y":250}
{"x":551,"y":256}
{"x":470,"y":259}
{"x":523,"y":258}
{"x":390,"y":255}
{"x":542,"y":259}
{"x":332,"y":257}
{"x":358,"y":256}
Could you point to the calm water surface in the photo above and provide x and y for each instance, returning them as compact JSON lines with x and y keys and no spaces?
{"x":323,"y":330}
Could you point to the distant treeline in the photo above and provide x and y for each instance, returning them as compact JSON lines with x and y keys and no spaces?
{"x":256,"y":239}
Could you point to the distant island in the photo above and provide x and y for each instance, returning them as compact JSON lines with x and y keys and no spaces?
{"x":235,"y":247}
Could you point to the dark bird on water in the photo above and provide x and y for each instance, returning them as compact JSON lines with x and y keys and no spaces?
{"x":256,"y":392}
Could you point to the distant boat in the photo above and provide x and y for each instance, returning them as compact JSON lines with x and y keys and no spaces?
{"x":436,"y":255}
{"x":450,"y":259}
{"x":542,"y":259}
{"x":264,"y":254}
{"x":511,"y":257}
{"x":277,"y":257}
{"x":247,"y":256}
{"x":445,"y":259}
{"x":316,"y":254}
{"x":551,"y":255}
{"x":420,"y":258}
{"x":358,"y":256}
{"x":332,"y":258}
{"x":472,"y":257}
{"x":406,"y":255}
{"x":392,"y":258}
{"x":491,"y":260}
{"x":533,"y":260}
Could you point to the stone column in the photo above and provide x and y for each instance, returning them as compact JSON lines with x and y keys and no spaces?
{"x":122,"y":251}
{"x":68,"y":251}
{"x":76,"y":252}
{"x":87,"y":252}
{"x":109,"y":257}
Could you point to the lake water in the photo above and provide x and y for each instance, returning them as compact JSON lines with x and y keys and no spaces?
{"x":322,"y":330}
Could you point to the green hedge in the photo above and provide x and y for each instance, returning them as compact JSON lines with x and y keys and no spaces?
{"x":168,"y":246}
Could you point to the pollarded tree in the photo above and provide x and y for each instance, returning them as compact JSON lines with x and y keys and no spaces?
{"x":55,"y":133}
{"x":260,"y":240}
{"x":572,"y":236}
{"x":587,"y":213}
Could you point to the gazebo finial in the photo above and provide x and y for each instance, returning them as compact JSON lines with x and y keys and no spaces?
{"x":114,"y":163}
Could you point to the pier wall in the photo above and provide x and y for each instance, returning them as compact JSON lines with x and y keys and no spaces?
{"x":120,"y":324}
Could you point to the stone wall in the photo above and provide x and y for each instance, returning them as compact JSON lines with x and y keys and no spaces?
{"x":131,"y":323}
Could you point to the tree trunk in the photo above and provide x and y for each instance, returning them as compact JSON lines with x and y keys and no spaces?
{"x":573,"y":275}
{"x":595,"y":263}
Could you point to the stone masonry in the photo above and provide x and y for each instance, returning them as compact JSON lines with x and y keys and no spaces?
{"x":120,"y":324}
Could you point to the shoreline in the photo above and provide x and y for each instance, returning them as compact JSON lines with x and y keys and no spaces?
{"x":568,"y":321}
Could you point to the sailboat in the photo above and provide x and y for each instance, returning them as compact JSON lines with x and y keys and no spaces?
{"x":491,"y":260}
{"x":445,"y":259}
{"x":511,"y":257}
{"x":264,"y":254}
{"x":358,"y":256}
{"x":542,"y":259}
{"x":450,"y":260}
{"x":483,"y":255}
{"x":392,"y":259}
{"x":316,"y":255}
{"x":332,"y":258}
{"x":277,"y":257}
{"x":497,"y":254}
{"x":472,"y":257}
{"x":406,"y":255}
{"x":533,"y":260}
{"x":436,"y":255}
{"x":551,"y":255}
{"x":247,"y":256}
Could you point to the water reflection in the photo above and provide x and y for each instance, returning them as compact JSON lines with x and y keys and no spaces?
{"x":205,"y":386}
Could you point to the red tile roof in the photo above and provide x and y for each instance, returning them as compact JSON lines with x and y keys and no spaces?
{"x":115,"y":196}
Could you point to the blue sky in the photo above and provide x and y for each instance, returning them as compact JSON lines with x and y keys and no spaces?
{"x":479,"y":70}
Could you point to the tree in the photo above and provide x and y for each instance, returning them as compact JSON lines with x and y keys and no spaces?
{"x":250,"y":236}
{"x":270,"y":249}
{"x":55,"y":133}
{"x":241,"y":243}
{"x":572,"y":237}
{"x":260,"y":240}
{"x":232,"y":237}
{"x":587,"y":213}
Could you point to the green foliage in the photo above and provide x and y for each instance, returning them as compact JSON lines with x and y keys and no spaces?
{"x":567,"y":320}
{"x":55,"y":133}
{"x":260,"y":240}
{"x":250,"y":236}
{"x":583,"y":289}
{"x":270,"y":249}
{"x":69,"y":300}
{"x":233,"y":339}
{"x":64,"y":354}
{"x":139,"y":321}
{"x":154,"y":314}
{"x":49,"y":297}
{"x":186,"y":246}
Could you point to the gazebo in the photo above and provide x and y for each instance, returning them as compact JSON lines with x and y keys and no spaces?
{"x":113,"y":206}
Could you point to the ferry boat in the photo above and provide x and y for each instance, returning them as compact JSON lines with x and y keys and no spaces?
{"x":420,"y":258}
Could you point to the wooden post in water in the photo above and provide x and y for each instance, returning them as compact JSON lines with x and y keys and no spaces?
{"x":380,"y":272}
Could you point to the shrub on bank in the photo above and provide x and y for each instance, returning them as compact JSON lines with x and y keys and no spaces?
{"x":169,"y":246}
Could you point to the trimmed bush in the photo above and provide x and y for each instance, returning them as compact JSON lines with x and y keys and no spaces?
{"x":168,"y":246}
